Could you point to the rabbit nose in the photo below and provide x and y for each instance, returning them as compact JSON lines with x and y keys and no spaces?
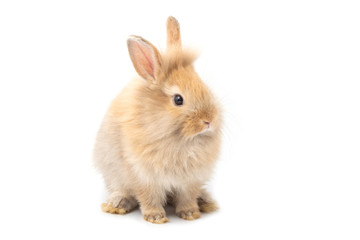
{"x":207,"y":123}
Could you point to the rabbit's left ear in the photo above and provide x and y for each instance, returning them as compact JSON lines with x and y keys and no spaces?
{"x":145,"y":58}
{"x":173,"y":33}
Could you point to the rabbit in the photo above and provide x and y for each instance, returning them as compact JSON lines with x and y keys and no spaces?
{"x":160,"y":138}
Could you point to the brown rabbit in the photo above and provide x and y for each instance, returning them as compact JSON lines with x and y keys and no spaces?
{"x":161,"y":135}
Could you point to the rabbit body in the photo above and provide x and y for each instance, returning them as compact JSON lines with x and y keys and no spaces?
{"x":152,"y":149}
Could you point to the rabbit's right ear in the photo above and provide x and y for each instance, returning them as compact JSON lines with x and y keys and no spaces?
{"x":145,"y":58}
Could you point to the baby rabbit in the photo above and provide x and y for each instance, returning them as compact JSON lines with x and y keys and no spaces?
{"x":160,"y":138}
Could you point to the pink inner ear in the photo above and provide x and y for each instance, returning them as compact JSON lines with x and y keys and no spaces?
{"x":143,"y":57}
{"x":147,"y":59}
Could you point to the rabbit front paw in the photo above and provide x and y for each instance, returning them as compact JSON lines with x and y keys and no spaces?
{"x":156,"y":217}
{"x":189,"y":214}
{"x":119,"y":204}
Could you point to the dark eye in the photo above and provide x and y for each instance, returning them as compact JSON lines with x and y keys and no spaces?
{"x":178,"y":100}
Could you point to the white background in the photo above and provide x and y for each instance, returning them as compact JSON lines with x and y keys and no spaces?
{"x":286,"y":72}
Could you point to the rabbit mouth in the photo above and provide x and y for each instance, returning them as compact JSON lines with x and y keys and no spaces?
{"x":208,"y":129}
{"x":202,"y":130}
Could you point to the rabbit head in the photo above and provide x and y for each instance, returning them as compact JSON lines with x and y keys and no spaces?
{"x":172,"y":90}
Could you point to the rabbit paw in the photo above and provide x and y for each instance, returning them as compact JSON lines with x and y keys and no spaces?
{"x":109,"y":208}
{"x":207,"y":206}
{"x":118,"y":204}
{"x":190,"y":214}
{"x":156,"y":218}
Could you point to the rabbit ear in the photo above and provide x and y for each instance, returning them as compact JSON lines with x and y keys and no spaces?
{"x":173,"y":33}
{"x":145,"y":58}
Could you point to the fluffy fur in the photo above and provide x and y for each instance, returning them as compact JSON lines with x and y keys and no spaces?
{"x":151,"y":151}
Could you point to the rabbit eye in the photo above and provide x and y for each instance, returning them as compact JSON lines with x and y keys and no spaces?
{"x":178,"y":100}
